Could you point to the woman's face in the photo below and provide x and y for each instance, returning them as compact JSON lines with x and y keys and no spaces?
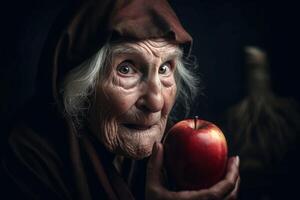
{"x":133,"y":102}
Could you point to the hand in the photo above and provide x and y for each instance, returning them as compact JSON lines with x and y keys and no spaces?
{"x":226,"y":189}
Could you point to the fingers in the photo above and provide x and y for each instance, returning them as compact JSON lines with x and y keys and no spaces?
{"x":223,"y":189}
{"x":226,"y":189}
{"x":227,"y":185}
{"x":154,"y":187}
{"x":155,"y":165}
{"x":234,"y":194}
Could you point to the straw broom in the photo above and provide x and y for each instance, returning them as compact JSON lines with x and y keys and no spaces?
{"x":262,"y":127}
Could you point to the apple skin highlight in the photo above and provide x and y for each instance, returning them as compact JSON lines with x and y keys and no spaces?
{"x":195,"y":157}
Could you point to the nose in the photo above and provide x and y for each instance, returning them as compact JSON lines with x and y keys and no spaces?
{"x":151,"y":99}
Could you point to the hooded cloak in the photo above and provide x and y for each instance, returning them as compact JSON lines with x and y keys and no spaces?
{"x":46,"y":158}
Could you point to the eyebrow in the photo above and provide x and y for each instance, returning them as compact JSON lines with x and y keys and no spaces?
{"x":126,"y":49}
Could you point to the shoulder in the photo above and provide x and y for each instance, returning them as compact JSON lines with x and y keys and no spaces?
{"x":33,"y":166}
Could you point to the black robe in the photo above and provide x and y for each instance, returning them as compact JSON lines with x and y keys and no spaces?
{"x":47,"y":157}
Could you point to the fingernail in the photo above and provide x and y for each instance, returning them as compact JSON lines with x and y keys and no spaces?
{"x":237,"y":161}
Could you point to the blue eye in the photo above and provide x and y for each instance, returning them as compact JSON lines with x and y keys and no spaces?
{"x":126,"y":68}
{"x":165,"y":69}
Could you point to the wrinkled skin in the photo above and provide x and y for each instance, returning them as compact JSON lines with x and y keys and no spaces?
{"x":130,"y":113}
{"x":133,"y":102}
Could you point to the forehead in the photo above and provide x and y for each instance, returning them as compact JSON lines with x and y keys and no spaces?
{"x":158,"y":48}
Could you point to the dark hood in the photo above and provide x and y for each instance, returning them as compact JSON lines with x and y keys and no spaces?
{"x":83,"y":27}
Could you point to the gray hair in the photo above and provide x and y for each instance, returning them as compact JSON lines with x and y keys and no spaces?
{"x":79,"y":85}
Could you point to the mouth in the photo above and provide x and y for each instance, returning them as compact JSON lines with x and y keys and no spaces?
{"x":137,"y":126}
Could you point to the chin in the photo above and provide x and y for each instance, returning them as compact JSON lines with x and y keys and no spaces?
{"x":137,"y":143}
{"x":143,"y":153}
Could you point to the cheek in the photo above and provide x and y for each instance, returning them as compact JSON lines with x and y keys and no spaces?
{"x":118,"y":99}
{"x":111,"y":102}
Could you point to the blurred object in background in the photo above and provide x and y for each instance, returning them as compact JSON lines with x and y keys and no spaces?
{"x":263,"y":129}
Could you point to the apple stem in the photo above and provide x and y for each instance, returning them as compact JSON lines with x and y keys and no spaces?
{"x":195,"y":122}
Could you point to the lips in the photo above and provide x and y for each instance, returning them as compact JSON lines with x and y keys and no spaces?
{"x":137,"y":126}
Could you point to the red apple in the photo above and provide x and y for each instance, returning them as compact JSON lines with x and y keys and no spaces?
{"x":195,"y":154}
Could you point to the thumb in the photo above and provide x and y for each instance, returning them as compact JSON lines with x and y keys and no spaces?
{"x":155,"y":163}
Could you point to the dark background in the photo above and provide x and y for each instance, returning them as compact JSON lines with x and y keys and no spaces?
{"x":221,"y":30}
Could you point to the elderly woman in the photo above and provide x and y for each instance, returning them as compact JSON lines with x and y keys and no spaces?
{"x":109,"y":76}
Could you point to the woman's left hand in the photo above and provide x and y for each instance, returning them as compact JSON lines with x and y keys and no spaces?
{"x":224,"y":190}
